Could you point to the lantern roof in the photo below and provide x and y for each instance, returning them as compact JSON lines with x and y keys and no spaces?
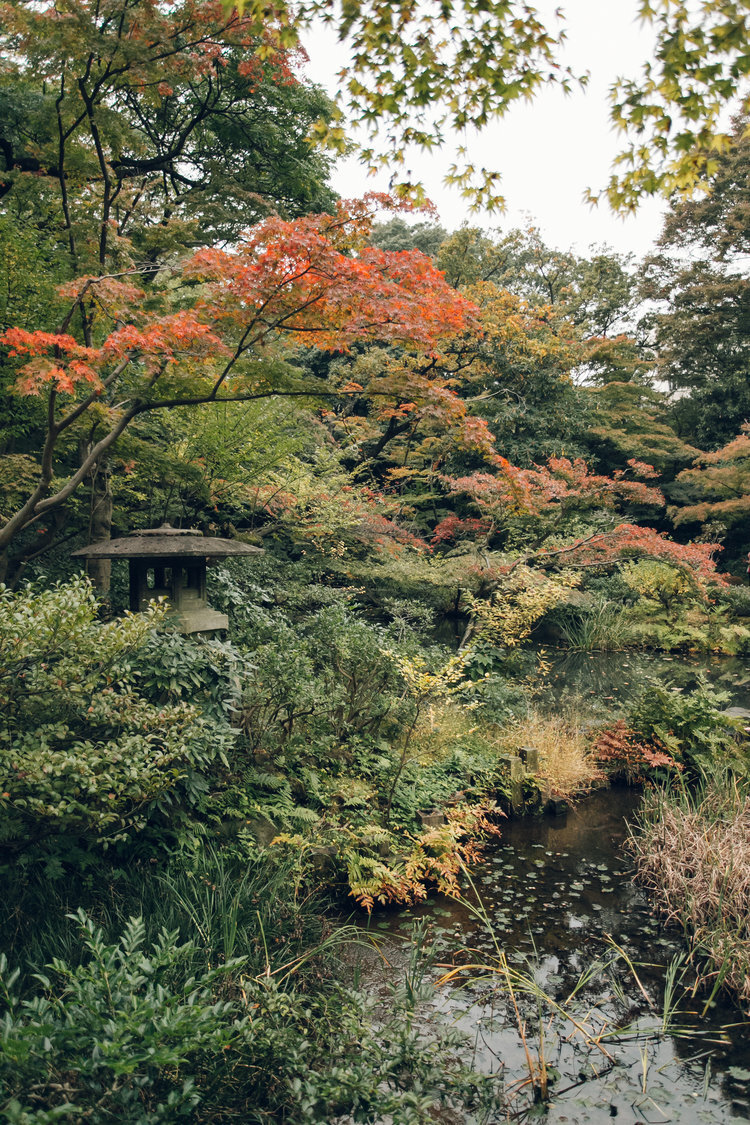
{"x":166,"y":542}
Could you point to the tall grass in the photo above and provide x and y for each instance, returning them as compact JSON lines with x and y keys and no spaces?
{"x":598,"y":627}
{"x":692,"y":851}
{"x":567,"y":763}
{"x":228,"y":907}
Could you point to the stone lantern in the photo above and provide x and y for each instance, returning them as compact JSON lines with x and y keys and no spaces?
{"x":170,"y":562}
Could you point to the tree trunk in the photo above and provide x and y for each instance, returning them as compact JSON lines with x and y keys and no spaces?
{"x":100,"y":526}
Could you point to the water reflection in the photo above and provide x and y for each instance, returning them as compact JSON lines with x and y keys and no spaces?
{"x":602,"y":682}
{"x":557,"y":892}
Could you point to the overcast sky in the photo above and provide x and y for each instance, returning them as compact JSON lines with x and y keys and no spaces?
{"x":548,"y":152}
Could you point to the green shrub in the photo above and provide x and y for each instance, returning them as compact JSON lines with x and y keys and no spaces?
{"x":122,"y":1036}
{"x":671,"y":587}
{"x":143,"y":1034}
{"x":82,"y":752}
{"x":691,"y":725}
{"x":194,"y":669}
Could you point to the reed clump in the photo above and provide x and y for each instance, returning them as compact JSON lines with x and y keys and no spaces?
{"x":692,"y":851}
{"x":567,"y":762}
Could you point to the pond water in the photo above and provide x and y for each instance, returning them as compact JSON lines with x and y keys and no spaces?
{"x":559,"y":902}
{"x":603,"y":682}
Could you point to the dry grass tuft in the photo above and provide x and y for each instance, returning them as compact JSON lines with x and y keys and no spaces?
{"x":567,"y":761}
{"x":694,"y":856}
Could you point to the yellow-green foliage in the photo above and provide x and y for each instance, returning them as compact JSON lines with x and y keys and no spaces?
{"x":81,"y":750}
{"x":435,"y":858}
{"x":670,"y":586}
{"x":518,"y":603}
{"x":697,"y":632}
{"x":567,"y":761}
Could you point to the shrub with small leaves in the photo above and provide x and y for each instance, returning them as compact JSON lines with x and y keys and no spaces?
{"x":120,"y":1037}
{"x":82,"y":752}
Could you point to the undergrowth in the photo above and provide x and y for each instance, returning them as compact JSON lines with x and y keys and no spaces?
{"x":692,"y":851}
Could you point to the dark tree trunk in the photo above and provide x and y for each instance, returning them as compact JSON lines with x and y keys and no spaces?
{"x":100,"y":526}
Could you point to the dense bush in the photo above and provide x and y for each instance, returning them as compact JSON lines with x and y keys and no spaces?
{"x":241,"y":1019}
{"x":83,"y":753}
{"x":691,"y":726}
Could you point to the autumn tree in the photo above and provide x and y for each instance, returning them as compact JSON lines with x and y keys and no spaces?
{"x":219,"y":337}
{"x":715,"y":495}
{"x":552,"y":499}
{"x":131,"y":134}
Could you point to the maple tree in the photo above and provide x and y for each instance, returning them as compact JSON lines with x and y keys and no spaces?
{"x":418,"y":72}
{"x":520,"y":381}
{"x":630,"y":421}
{"x":549,"y":493}
{"x":310,"y":282}
{"x":717,"y":490}
{"x":674,"y":110}
{"x":141,"y":128}
{"x":629,"y":541}
{"x":413,"y":75}
{"x":130,"y":134}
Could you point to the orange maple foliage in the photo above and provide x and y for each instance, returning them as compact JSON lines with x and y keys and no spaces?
{"x":316,"y":280}
{"x":619,"y":748}
{"x":514,"y":491}
{"x":311,"y":281}
{"x":630,"y":541}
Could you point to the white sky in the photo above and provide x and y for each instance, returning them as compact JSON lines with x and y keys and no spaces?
{"x":548,"y":152}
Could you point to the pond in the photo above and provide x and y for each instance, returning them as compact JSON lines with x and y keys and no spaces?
{"x":597,"y":683}
{"x":559,"y":902}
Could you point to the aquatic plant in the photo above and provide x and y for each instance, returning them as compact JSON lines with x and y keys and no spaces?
{"x":596,"y":626}
{"x":692,"y":851}
{"x":594,"y":1025}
